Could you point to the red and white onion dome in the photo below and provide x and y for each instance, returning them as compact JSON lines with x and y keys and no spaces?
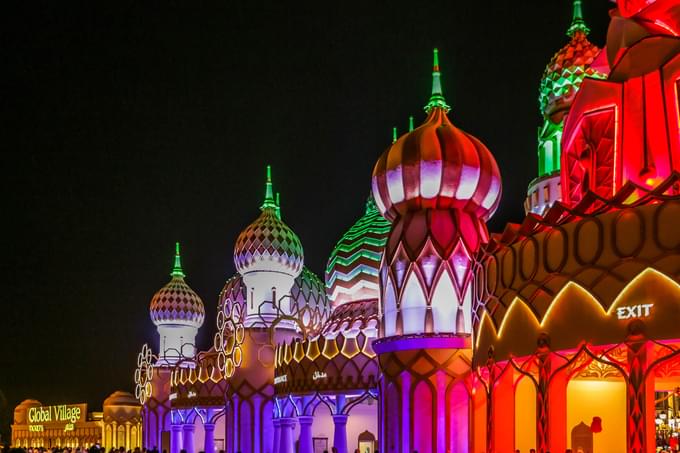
{"x":268,"y":244}
{"x":436,"y":166}
{"x":437,"y":184}
{"x":176,"y":303}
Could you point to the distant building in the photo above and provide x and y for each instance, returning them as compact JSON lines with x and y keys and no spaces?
{"x":71,"y":425}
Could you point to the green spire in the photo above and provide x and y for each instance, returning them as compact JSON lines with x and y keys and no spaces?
{"x":177,"y":268}
{"x":437,"y":99}
{"x":394,"y":134}
{"x":410,"y":123}
{"x":577,"y":22}
{"x":269,"y":192}
{"x":278,"y":205}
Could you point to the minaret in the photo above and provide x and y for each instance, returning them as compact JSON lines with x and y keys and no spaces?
{"x":269,"y":256}
{"x":178,"y":313}
{"x":561,"y":81}
{"x":438,"y":185}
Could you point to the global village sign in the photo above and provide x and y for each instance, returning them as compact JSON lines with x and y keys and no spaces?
{"x":56,"y":414}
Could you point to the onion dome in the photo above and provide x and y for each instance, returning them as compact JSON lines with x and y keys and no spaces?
{"x":176,"y":303}
{"x":121,"y":398}
{"x":268,"y":244}
{"x":353,"y":267}
{"x":436,"y":166}
{"x":309,"y":294}
{"x":564,"y":74}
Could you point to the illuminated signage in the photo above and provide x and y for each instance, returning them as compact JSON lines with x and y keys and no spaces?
{"x":36,"y":428}
{"x":56,"y":414}
{"x":634,"y":311}
{"x":319,"y":375}
{"x":280,"y":379}
{"x":191,"y":394}
{"x":173,"y":396}
{"x":68,"y":427}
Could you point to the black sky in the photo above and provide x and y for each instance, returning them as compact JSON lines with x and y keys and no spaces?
{"x":127,"y":125}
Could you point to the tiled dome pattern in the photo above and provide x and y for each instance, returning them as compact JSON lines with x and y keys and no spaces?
{"x":564,"y":74}
{"x":269,"y":240}
{"x":309,"y":293}
{"x":353,"y":266}
{"x":177,"y":303}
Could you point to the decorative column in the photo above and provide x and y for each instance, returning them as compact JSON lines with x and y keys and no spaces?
{"x":188,"y":437}
{"x":277,"y":434}
{"x":127,"y":436}
{"x":306,"y":445}
{"x":437,"y":185}
{"x":209,"y":442}
{"x":641,"y":436}
{"x":340,"y":432}
{"x":551,"y":404}
{"x":257,"y":429}
{"x":287,"y":442}
{"x":175,"y":438}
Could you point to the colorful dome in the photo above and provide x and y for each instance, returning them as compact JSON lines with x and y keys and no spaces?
{"x":268,"y":244}
{"x":121,"y":398}
{"x":353,"y":267}
{"x":567,"y":68}
{"x":176,"y":303}
{"x":436,"y":166}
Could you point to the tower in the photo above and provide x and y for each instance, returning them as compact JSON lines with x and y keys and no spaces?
{"x":269,"y":256}
{"x":561,"y":81}
{"x":177,"y":312}
{"x":438,"y":185}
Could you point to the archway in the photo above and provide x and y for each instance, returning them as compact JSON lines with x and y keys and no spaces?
{"x":604,"y":388}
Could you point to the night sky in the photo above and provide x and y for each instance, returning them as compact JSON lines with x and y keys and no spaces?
{"x":129,"y":125}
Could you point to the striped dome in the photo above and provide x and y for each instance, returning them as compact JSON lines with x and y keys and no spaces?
{"x":353,"y":266}
{"x":176,"y":303}
{"x":268,"y":244}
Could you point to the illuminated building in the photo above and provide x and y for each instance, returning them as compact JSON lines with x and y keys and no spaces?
{"x":71,"y":425}
{"x":434,"y":335}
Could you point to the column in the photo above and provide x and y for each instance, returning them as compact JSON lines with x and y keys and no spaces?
{"x":127,"y":436}
{"x":306,"y":433}
{"x":277,"y":434}
{"x":175,"y":438}
{"x":503,"y":413}
{"x":209,"y":442}
{"x":188,"y":437}
{"x":236,"y":425}
{"x":257,"y":438}
{"x":340,"y":433}
{"x":641,"y":436}
{"x":286,"y":442}
{"x":405,"y":412}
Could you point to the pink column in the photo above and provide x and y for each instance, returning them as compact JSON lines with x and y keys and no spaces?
{"x":175,"y":438}
{"x":188,"y":437}
{"x":209,"y":442}
{"x":340,"y":433}
{"x":305,"y":422}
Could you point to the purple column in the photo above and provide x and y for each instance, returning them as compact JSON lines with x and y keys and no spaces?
{"x":405,"y":412}
{"x":287,"y":442}
{"x":306,"y":433}
{"x":277,"y":434}
{"x":188,"y":437}
{"x":209,"y":442}
{"x":175,"y":438}
{"x":340,"y":433}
